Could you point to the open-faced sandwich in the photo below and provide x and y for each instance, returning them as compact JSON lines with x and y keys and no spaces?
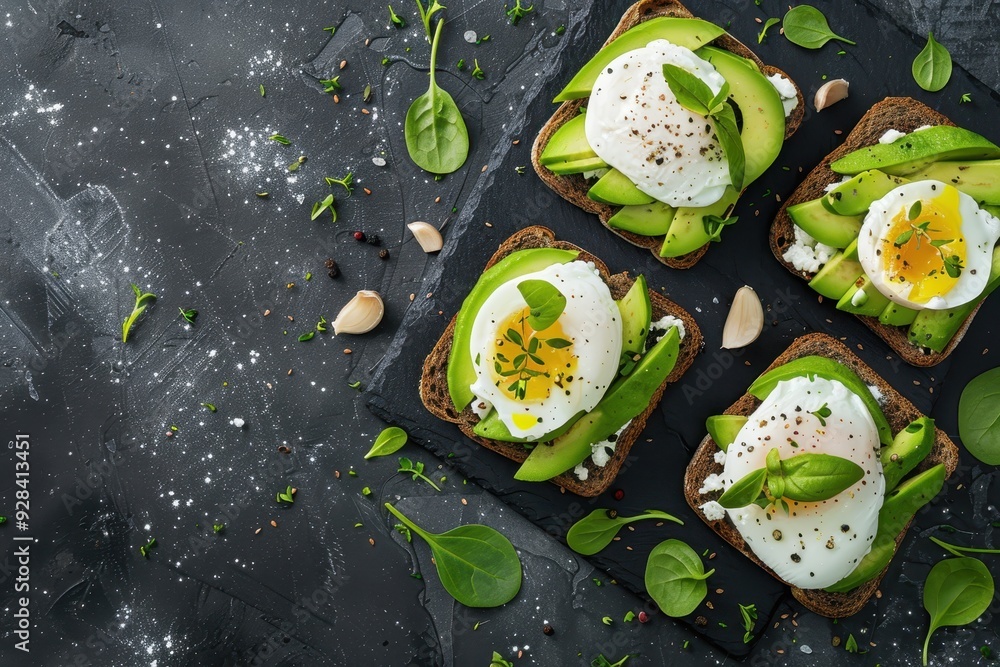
{"x":899,"y":226}
{"x":659,"y":133}
{"x":816,"y":472}
{"x":555,"y":363}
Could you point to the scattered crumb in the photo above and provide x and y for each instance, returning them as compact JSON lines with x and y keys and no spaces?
{"x":274,"y":524}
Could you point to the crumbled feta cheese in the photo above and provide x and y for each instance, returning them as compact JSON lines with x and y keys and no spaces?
{"x":600,"y":452}
{"x":876,"y":392}
{"x":786,"y":91}
{"x":238,"y":423}
{"x":713,"y":511}
{"x":581,"y":472}
{"x":666,"y":322}
{"x":720,"y":457}
{"x":833,"y":186}
{"x":923,"y":127}
{"x":807,"y":254}
{"x":712,"y":483}
{"x":890,"y":136}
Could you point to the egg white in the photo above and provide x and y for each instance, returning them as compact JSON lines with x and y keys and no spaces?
{"x":591,"y":320}
{"x":980,"y":230}
{"x":635,"y":124}
{"x":816,"y":544}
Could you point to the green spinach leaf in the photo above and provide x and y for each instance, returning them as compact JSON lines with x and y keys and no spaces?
{"x":932,"y":66}
{"x":477,"y":565}
{"x":596,"y":530}
{"x":675,"y":578}
{"x":436,"y":137}
{"x":957,"y":592}
{"x":806,"y":26}
{"x":389,"y":441}
{"x":979,"y":417}
{"x":545,"y":301}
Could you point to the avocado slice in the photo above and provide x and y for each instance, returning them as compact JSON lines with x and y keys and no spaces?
{"x":828,"y":228}
{"x":856,"y":195}
{"x":897,"y":510}
{"x":568,"y":143}
{"x":980,"y":179}
{"x":837,"y":276}
{"x":637,"y":313}
{"x":896,"y":315}
{"x":493,"y":428}
{"x":461,"y":371}
{"x":724,"y":429}
{"x":626,"y":399}
{"x":863,"y":298}
{"x":617,"y":189}
{"x":690,"y":33}
{"x":831,"y":370}
{"x":934,"y":329}
{"x":916,"y":150}
{"x":908,"y":449}
{"x":647,"y":220}
{"x":689,"y":231}
{"x":566,"y":168}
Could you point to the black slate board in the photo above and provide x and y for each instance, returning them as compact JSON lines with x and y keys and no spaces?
{"x":652,"y":477}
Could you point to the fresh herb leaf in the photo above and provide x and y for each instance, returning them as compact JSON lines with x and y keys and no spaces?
{"x":396,"y":19}
{"x":417,"y":470}
{"x":280,"y":139}
{"x":714,"y":225}
{"x":142,"y":301}
{"x":460,"y":65}
{"x":806,"y":26}
{"x":330,"y":29}
{"x":545,"y":302}
{"x":347,"y":182}
{"x":965,"y":98}
{"x":518,"y":12}
{"x":691,"y":92}
{"x":287,"y":496}
{"x":306,"y":336}
{"x":389,"y":441}
{"x":147,"y":547}
{"x":326,"y":204}
{"x":561,"y":30}
{"x":729,"y":137}
{"x":748,"y":613}
{"x":601,"y":661}
{"x":498,"y":660}
{"x":595,"y":531}
{"x":903,"y":238}
{"x":321,"y":325}
{"x":744,"y":491}
{"x":768,"y":24}
{"x":851,"y":645}
{"x":263,"y":93}
{"x":477,"y":565}
{"x":331,"y":85}
{"x":189,"y":314}
{"x":209,"y":406}
{"x":821,"y":414}
{"x":932,"y":67}
{"x":957,"y":592}
{"x":979,"y":417}
{"x":675,"y":578}
{"x":436,"y":137}
{"x":218,"y":528}
{"x":477,"y":71}
{"x":815,"y":477}
{"x":958,"y":550}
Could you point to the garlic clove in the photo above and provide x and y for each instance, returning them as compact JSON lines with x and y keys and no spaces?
{"x":745,"y":320}
{"x":426,"y":235}
{"x":361,"y":314}
{"x":830,"y":93}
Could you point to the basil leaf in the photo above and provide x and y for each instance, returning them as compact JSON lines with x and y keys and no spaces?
{"x":816,"y":477}
{"x":596,"y":530}
{"x":545,"y":302}
{"x":714,"y":225}
{"x":932,"y":66}
{"x":729,"y":137}
{"x":806,"y":26}
{"x":436,"y":137}
{"x":477,"y":565}
{"x":957,"y":592}
{"x":979,"y":417}
{"x":389,"y":441}
{"x":745,"y":490}
{"x":768,"y":24}
{"x":675,"y":578}
{"x":691,"y":92}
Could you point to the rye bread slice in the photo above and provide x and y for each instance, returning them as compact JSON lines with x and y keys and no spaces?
{"x":898,"y":410}
{"x":893,"y":113}
{"x":434,"y":380}
{"x":573,"y":188}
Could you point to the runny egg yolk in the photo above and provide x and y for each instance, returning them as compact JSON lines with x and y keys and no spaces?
{"x":530,"y":365}
{"x":921,"y":251}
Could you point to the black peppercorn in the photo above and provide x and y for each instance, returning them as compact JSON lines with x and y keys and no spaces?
{"x":333,"y":271}
{"x":373,"y":239}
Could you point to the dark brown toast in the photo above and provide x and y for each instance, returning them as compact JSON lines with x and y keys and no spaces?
{"x":574,"y":188}
{"x":434,"y":380}
{"x":898,"y":410}
{"x":898,"y":113}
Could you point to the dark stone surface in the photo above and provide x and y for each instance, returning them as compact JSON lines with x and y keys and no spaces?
{"x":132,"y":140}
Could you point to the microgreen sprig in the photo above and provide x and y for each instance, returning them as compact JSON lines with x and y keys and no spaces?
{"x":477,"y":71}
{"x":189,"y":314}
{"x":417,"y":470}
{"x":347,"y":182}
{"x":396,"y":19}
{"x":749,"y":614}
{"x":518,"y":12}
{"x":822,"y":414}
{"x":147,"y":547}
{"x":287,"y":496}
{"x":328,"y":204}
{"x":142,"y":301}
{"x":331,"y":85}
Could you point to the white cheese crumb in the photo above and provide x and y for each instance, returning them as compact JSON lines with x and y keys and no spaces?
{"x":923,"y":127}
{"x":876,"y":392}
{"x":238,"y":423}
{"x":807,"y":254}
{"x":833,"y":186}
{"x":713,"y":511}
{"x":600,"y":452}
{"x":581,"y":472}
{"x":712,"y":483}
{"x":890,"y":136}
{"x":786,"y":91}
{"x":668,"y":321}
{"x":720,"y":457}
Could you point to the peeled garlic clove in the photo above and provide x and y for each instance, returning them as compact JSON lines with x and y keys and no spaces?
{"x":745,"y":320}
{"x":426,"y":235}
{"x":361,"y":314}
{"x":830,"y":93}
